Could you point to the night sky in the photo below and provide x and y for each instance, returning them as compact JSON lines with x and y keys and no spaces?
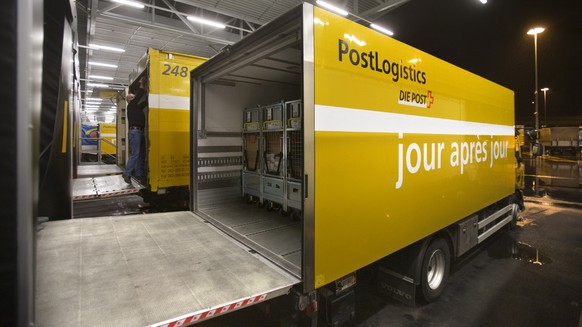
{"x":490,"y":40}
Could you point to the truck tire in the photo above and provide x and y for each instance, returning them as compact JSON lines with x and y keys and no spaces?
{"x":435,"y":269}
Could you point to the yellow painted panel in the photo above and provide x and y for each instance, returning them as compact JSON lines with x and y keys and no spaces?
{"x":357,"y":67}
{"x":107,"y":133}
{"x":169,"y":118}
{"x":361,"y":215}
{"x":170,"y":156}
{"x":65,"y":127}
{"x":377,"y":192}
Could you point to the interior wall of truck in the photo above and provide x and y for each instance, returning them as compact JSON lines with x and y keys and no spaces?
{"x":248,"y":147}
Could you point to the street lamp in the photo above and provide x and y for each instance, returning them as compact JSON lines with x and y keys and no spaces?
{"x":545,"y":89}
{"x":535,"y":31}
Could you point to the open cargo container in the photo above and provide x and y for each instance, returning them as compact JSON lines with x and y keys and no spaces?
{"x":396,"y":156}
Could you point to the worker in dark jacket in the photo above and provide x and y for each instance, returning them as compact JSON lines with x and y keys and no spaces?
{"x":137,"y":101}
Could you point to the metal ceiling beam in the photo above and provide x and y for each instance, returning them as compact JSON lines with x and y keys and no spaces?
{"x":382,"y":8}
{"x":223,"y":12}
{"x":111,"y":7}
{"x":180,"y":16}
{"x":147,"y":23}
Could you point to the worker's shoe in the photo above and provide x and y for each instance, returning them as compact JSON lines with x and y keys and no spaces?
{"x":127,"y":179}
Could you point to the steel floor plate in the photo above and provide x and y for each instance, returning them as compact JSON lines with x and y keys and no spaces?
{"x":272,"y":231}
{"x":103,"y":186}
{"x":98,"y":170}
{"x":143,"y":270}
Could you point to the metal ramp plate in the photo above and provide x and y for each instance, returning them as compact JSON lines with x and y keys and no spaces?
{"x":97,"y":170}
{"x":84,"y":188}
{"x":104,"y":186}
{"x":146,"y":270}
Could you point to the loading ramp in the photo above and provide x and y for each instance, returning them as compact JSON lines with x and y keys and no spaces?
{"x":158,"y":269}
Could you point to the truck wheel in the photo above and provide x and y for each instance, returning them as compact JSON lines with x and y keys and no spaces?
{"x":435,"y":269}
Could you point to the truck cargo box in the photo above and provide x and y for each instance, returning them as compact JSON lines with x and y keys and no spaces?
{"x":396,"y":144}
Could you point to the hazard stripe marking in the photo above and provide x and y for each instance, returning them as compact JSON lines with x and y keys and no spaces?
{"x":212,"y":312}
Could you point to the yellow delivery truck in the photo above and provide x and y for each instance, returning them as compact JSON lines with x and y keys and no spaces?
{"x":404,"y":159}
{"x":318,"y":147}
{"x":167,"y":123}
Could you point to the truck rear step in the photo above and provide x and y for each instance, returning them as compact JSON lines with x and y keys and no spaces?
{"x":103,"y":186}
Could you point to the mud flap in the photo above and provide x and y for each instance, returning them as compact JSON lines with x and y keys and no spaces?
{"x":397,"y":286}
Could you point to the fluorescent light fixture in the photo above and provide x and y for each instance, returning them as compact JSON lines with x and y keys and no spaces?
{"x":104,"y":47}
{"x":130,"y":3}
{"x":332,"y":8}
{"x":97,"y":85}
{"x":205,"y":22}
{"x":381,"y":29}
{"x":102,"y":64}
{"x":535,"y":30}
{"x":94,"y":99}
{"x":101,"y":77}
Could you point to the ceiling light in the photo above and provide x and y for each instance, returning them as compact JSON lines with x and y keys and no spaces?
{"x":332,"y":8}
{"x":104,"y":47}
{"x":130,"y":3}
{"x":205,"y":22}
{"x":101,"y":77}
{"x":381,"y":29}
{"x":94,"y":99}
{"x":97,"y":85}
{"x":102,"y":64}
{"x":483,"y":1}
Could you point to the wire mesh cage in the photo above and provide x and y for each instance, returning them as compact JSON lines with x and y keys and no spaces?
{"x":294,"y":154}
{"x":273,"y":152}
{"x":251,"y":151}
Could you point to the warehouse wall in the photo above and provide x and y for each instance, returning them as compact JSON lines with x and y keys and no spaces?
{"x":20,"y":95}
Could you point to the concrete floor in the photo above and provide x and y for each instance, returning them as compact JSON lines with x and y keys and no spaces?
{"x":503,"y":283}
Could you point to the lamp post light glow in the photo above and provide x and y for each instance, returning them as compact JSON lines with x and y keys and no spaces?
{"x":545,"y":89}
{"x":535,"y":31}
